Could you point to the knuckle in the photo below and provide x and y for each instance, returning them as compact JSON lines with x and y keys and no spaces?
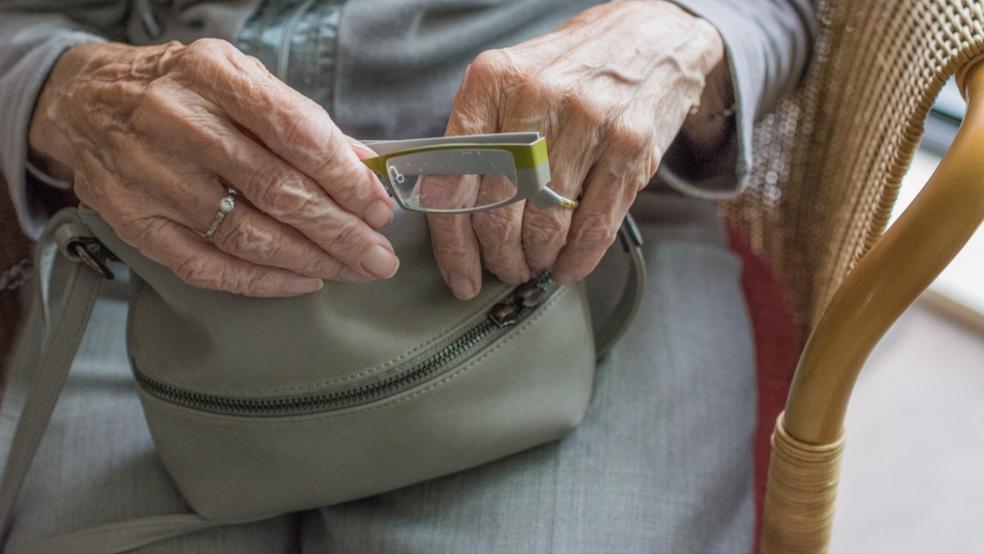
{"x":213,"y":58}
{"x":448,"y":239}
{"x":347,"y":183}
{"x":154,"y":102}
{"x":305,"y":126}
{"x":489,"y":64}
{"x":450,"y":254}
{"x":284,"y":196}
{"x":252,"y":283}
{"x":588,"y":111}
{"x":201,"y":272}
{"x":630,"y":140}
{"x":488,"y":75}
{"x":496,"y":226}
{"x":127,"y":158}
{"x":543,"y":87}
{"x":142,"y":232}
{"x":345,"y":237}
{"x":595,"y":232}
{"x":210,"y":50}
{"x":499,"y":236}
{"x":543,"y":229}
{"x":247,"y":241}
{"x":319,"y":265}
{"x":543,"y":237}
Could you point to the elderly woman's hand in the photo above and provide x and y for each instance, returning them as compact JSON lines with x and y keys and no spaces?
{"x":610,"y":91}
{"x":154,"y":137}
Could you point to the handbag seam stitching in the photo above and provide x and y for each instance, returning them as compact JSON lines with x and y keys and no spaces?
{"x":238,"y":420}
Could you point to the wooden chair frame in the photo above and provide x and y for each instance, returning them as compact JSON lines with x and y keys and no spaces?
{"x":897,"y":267}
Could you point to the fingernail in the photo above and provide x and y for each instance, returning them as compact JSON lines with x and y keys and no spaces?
{"x":361,"y":150}
{"x":381,"y":262}
{"x":379,"y":214}
{"x":462,"y":287}
{"x":303,"y":285}
{"x":353,"y":276}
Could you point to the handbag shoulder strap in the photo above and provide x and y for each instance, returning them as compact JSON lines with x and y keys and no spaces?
{"x":63,"y":324}
{"x":607,"y":333}
{"x":57,"y":340}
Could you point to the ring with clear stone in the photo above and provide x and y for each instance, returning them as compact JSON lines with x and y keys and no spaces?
{"x":226,"y":205}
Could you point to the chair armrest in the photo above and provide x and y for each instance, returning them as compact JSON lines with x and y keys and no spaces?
{"x":808,"y":440}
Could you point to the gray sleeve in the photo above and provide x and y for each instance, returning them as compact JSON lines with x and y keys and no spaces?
{"x":768,"y":45}
{"x":31,"y":39}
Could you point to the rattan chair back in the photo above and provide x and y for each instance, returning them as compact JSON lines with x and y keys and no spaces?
{"x":829,"y":161}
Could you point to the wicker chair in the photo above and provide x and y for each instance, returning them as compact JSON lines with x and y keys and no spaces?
{"x":830,"y":163}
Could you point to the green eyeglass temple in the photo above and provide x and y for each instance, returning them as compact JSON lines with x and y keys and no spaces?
{"x":522,"y":157}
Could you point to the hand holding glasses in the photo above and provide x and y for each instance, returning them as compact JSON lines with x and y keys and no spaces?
{"x":446,"y":174}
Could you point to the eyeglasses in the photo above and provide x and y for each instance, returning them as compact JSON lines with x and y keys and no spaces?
{"x":468,"y":173}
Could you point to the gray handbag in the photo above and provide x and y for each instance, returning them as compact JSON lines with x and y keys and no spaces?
{"x":260,"y":407}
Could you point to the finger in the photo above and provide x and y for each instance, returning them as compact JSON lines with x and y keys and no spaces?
{"x":361,"y":150}
{"x":278,"y":192}
{"x":456,"y":249}
{"x":130,"y":212}
{"x":291,"y":125}
{"x":608,"y":194}
{"x":251,"y":235}
{"x":474,"y":110}
{"x":499,"y":231}
{"x":456,"y":252}
{"x":545,"y":231}
{"x":289,"y":196}
{"x":200,"y":264}
{"x":452,"y":237}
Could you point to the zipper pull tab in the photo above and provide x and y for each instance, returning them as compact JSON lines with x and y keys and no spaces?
{"x":530,"y":294}
{"x":504,"y":314}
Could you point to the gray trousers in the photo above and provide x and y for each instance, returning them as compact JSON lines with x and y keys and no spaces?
{"x":661,"y":463}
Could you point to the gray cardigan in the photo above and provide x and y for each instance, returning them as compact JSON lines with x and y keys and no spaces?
{"x":397,"y":63}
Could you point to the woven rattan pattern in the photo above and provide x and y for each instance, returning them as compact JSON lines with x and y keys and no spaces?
{"x":830,"y":160}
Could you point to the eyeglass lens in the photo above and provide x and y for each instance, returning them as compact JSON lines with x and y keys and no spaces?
{"x":455,"y":180}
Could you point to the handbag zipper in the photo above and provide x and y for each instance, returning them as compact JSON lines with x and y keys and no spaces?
{"x":515,"y":307}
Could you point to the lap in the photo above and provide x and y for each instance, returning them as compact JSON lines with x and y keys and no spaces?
{"x":661,"y":462}
{"x":97,"y":465}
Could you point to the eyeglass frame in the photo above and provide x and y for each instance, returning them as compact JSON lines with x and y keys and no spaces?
{"x":528,"y":151}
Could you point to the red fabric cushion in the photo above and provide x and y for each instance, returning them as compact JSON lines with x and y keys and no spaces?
{"x":777,"y":349}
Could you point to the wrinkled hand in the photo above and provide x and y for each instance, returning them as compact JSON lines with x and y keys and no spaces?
{"x":610,"y":91}
{"x":154,"y":137}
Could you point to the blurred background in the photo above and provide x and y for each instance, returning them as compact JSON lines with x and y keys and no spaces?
{"x":913,"y":473}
